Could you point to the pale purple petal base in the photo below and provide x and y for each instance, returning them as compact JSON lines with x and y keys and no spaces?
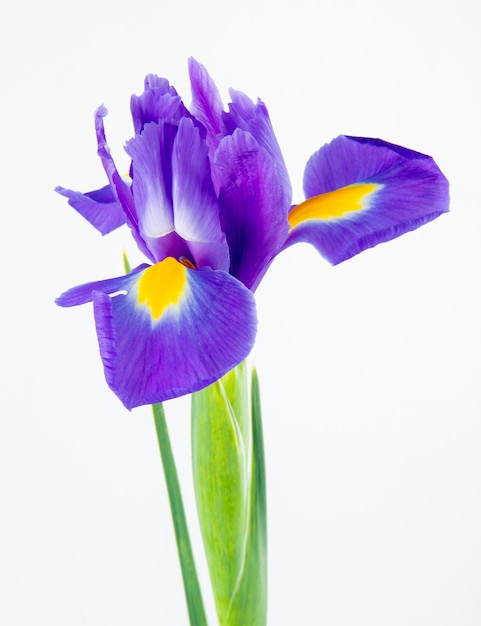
{"x":196,"y":210}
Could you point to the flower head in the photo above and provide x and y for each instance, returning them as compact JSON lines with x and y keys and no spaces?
{"x":208,"y":201}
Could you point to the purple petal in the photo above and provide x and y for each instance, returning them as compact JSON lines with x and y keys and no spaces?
{"x":119,"y":187}
{"x":206,"y":103}
{"x":159,"y":102}
{"x":196,"y":211}
{"x":363,"y":192}
{"x":103,"y":149}
{"x":253,"y":205}
{"x":175,"y":331}
{"x":254,"y":118}
{"x":151,"y":154}
{"x":101,"y":208}
{"x":84,"y":293}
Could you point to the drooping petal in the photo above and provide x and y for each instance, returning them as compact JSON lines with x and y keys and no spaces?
{"x":254,"y":118}
{"x":100,"y":207}
{"x":196,"y":211}
{"x":362,"y":192}
{"x":119,"y":186}
{"x":103,"y":151}
{"x":206,"y":103}
{"x":174,"y":331}
{"x":253,"y":205}
{"x":84,"y":293}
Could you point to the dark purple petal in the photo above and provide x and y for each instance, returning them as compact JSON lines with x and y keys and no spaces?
{"x":101,"y":208}
{"x":253,"y":205}
{"x":156,"y":348}
{"x":362,"y":192}
{"x":254,"y":118}
{"x":196,"y":211}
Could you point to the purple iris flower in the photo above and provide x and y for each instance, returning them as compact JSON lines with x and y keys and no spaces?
{"x":208,"y":201}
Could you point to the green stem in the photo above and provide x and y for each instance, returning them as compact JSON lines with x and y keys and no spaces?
{"x":187,"y":564}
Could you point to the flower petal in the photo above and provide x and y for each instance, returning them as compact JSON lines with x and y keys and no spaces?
{"x":118,"y":185}
{"x":101,"y":208}
{"x":196,"y":211}
{"x":84,"y":293}
{"x":206,"y":102}
{"x":159,"y":101}
{"x":175,"y":331}
{"x":253,"y":206}
{"x":152,"y":179}
{"x":254,"y":118}
{"x":362,"y":192}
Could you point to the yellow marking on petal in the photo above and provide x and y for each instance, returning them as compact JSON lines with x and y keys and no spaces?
{"x":333,"y":203}
{"x":161,"y":286}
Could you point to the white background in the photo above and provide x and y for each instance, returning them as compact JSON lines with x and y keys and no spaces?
{"x":370,"y":371}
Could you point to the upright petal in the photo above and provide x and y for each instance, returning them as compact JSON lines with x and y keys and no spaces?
{"x":196,"y":211}
{"x":253,"y":205}
{"x":206,"y":103}
{"x":174,"y":331}
{"x":254,"y":118}
{"x":151,"y":154}
{"x":362,"y":192}
{"x":100,"y":207}
{"x":159,"y":101}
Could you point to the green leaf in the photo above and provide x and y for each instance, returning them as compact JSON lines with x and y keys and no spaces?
{"x":192,"y":590}
{"x":126,"y":262}
{"x":229,"y":480}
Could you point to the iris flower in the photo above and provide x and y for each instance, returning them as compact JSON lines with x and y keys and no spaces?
{"x":208,"y":201}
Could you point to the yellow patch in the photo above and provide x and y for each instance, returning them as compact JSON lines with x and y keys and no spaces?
{"x":333,"y":203}
{"x":161,"y":286}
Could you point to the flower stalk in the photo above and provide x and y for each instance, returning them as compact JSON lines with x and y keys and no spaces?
{"x":229,"y":481}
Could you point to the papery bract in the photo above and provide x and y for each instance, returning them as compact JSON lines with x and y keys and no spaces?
{"x":208,"y":201}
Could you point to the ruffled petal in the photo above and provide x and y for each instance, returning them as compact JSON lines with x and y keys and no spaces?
{"x":254,"y":118}
{"x":362,"y":192}
{"x":159,"y":101}
{"x":100,"y":207}
{"x":253,"y":206}
{"x":174,"y":331}
{"x":196,"y":211}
